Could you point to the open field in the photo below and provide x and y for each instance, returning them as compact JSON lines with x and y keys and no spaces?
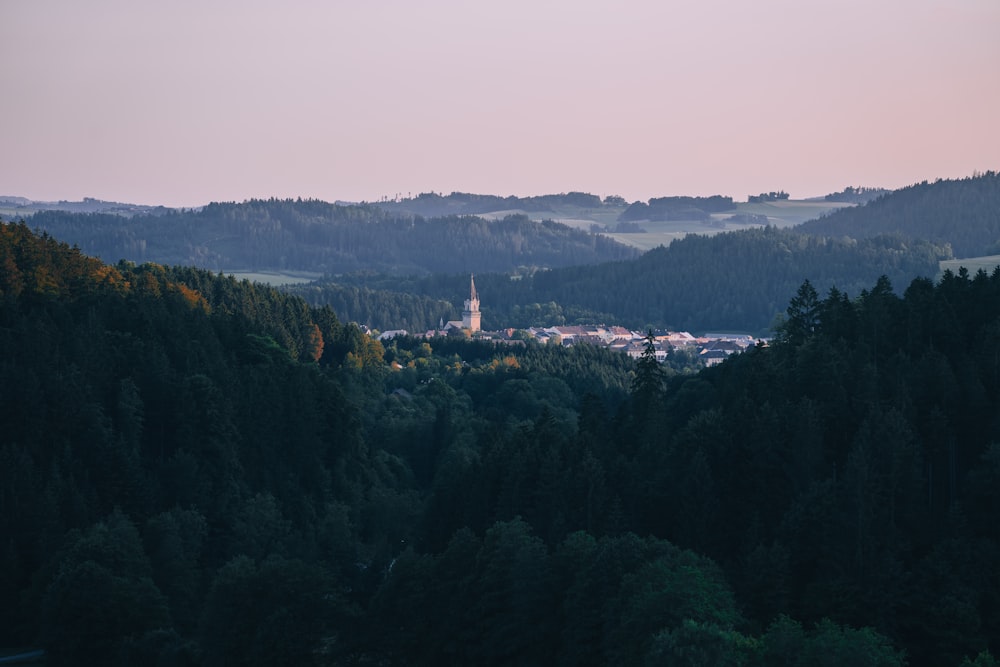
{"x":779,"y":214}
{"x":574,"y":216}
{"x":791,"y":212}
{"x":275,"y":279}
{"x":571,"y":216}
{"x":650,"y":240}
{"x":973,"y":264}
{"x":14,"y":213}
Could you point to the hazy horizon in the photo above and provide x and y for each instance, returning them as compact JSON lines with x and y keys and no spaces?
{"x":187,"y":103}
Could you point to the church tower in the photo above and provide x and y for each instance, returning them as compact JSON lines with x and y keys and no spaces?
{"x":470,"y":316}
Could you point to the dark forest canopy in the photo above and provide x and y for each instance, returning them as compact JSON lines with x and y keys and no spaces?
{"x":964,"y":213}
{"x":199,"y":470}
{"x":314,"y":236}
{"x":734,"y":280}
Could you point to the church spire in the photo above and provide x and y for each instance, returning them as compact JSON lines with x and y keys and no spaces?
{"x":471,"y":315}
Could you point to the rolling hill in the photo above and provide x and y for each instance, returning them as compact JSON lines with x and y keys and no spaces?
{"x":315,"y":236}
{"x":735,"y":280}
{"x":964,"y":213}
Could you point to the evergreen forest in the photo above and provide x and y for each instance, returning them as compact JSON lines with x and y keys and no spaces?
{"x":196,"y":470}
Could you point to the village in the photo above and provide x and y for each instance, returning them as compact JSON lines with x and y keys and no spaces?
{"x":710,"y":348}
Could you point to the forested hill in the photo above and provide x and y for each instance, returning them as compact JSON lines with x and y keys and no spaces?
{"x":734,"y":280}
{"x":964,"y":213}
{"x":430,"y":204}
{"x":318,"y":237}
{"x":196,"y":470}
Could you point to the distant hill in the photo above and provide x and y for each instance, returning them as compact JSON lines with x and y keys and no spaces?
{"x":735,"y":280}
{"x":15,"y":207}
{"x":316,"y":236}
{"x":641,"y":224}
{"x":678,"y":208}
{"x":431,"y":204}
{"x":964,"y":213}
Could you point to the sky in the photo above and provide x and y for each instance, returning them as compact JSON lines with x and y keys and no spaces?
{"x":185,"y":102}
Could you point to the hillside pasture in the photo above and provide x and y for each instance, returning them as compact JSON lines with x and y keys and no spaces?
{"x":789,"y":213}
{"x":973,"y":264}
{"x":275,"y":279}
{"x":780,"y":214}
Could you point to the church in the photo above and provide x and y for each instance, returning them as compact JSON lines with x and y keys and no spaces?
{"x":470,"y":314}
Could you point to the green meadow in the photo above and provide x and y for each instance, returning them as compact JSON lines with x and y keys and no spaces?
{"x":779,"y":214}
{"x":973,"y":264}
{"x":275,"y":279}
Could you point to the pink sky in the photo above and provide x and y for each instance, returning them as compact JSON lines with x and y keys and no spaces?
{"x":185,"y":102}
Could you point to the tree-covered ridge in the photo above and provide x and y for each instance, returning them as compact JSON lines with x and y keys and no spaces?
{"x":857,"y":195}
{"x":734,"y":280}
{"x":41,"y":266}
{"x":315,"y":236}
{"x":226,"y":475}
{"x":964,"y":213}
{"x":678,"y":208}
{"x":432,"y":205}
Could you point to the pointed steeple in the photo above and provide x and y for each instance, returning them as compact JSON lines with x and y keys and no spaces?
{"x":471,"y":315}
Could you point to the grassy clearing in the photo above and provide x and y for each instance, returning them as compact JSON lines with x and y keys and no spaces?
{"x":578,"y":223}
{"x":647,"y":241}
{"x":275,"y":279}
{"x":973,"y":264}
{"x":791,"y":212}
{"x":605,"y":216}
{"x":571,"y":216}
{"x":12,"y":214}
{"x":780,"y":214}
